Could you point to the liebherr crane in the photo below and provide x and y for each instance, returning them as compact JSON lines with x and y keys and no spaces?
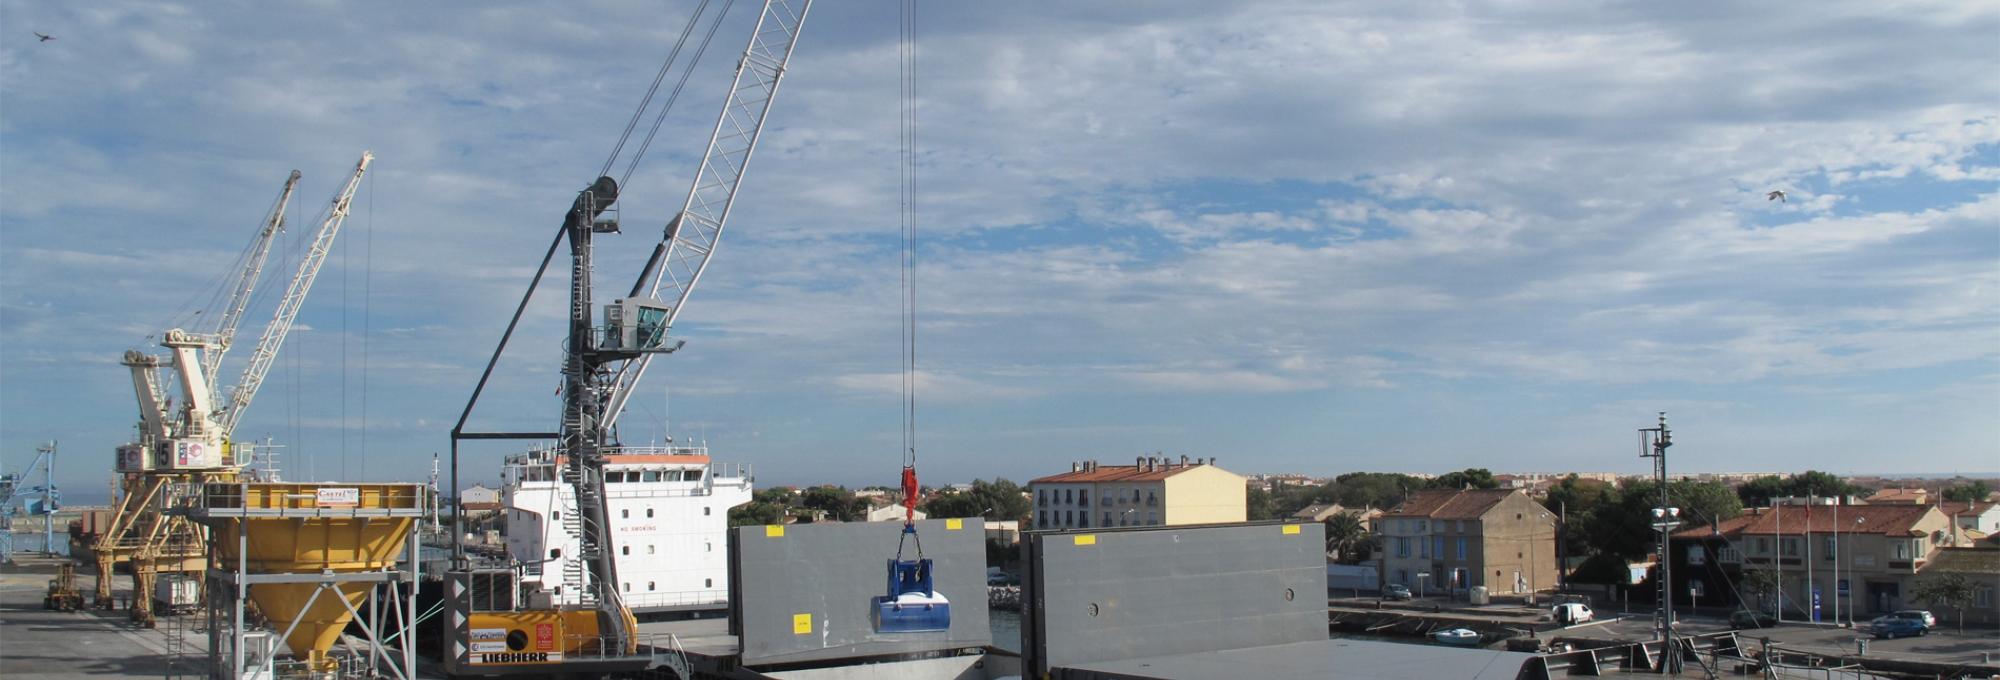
{"x":190,"y":444}
{"x":601,"y":371}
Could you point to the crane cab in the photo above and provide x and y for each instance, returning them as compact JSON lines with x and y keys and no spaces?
{"x":637,"y":324}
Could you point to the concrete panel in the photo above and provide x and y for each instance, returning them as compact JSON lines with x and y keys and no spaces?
{"x":1320,"y":660}
{"x":1131,"y":593}
{"x":803,"y":592}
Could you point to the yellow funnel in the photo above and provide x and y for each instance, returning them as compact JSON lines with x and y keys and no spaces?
{"x":312,"y":528}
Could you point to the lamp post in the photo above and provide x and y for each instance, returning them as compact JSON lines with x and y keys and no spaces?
{"x":1420,"y":583}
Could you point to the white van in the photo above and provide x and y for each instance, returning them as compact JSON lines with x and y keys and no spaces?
{"x":1571,"y":613}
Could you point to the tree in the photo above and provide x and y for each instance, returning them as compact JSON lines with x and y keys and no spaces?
{"x":1704,"y":502}
{"x":756,"y":512}
{"x":1578,"y":501}
{"x":1973,"y":492}
{"x":1759,"y":492}
{"x":1347,"y":539}
{"x":837,"y":503}
{"x":1759,"y":584}
{"x":1259,"y":504}
{"x":1477,"y":478}
{"x":952,"y":504}
{"x":1950,"y":589}
{"x":1372,"y":489}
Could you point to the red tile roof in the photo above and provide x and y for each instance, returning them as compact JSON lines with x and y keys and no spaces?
{"x":1889,"y":520}
{"x":1965,"y":508}
{"x":1731,"y":527}
{"x":1116,"y":473}
{"x":1899,"y":495}
{"x":1450,"y":503}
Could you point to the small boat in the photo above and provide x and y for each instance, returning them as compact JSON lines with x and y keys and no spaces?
{"x":1464,"y":637}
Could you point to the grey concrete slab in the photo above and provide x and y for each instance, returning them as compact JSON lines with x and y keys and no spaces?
{"x":1144,"y":592}
{"x":803,"y":592}
{"x":38,"y":643}
{"x":1341,"y":659}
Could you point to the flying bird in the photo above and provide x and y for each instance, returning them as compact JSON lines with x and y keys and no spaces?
{"x":1775,"y":195}
{"x":44,"y":38}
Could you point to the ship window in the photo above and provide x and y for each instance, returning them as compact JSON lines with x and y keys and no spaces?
{"x":649,"y":585}
{"x":650,"y":476}
{"x":704,"y":511}
{"x":625,"y":514}
{"x":649,"y":512}
{"x":694,"y":475}
{"x":624,"y":550}
{"x":649,"y":550}
{"x":628,"y":587}
{"x":671,"y":476}
{"x":710,"y":546}
{"x":555,"y":553}
{"x":556,"y":515}
{"x":708,"y":583}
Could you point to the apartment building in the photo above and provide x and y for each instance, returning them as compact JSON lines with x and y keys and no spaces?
{"x":1454,"y":540}
{"x":1150,"y":492}
{"x":1862,"y":559}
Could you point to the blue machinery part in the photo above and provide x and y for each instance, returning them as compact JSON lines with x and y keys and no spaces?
{"x":912,"y":605}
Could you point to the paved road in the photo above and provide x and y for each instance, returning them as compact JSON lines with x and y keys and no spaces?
{"x":74,"y":645}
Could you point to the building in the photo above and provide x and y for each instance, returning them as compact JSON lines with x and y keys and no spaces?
{"x":1980,"y":567}
{"x":1862,"y":560}
{"x":1454,"y":540}
{"x":1978,"y":520}
{"x":890,"y":513}
{"x":477,"y":498}
{"x":1320,"y":512}
{"x":1152,"y":491}
{"x":1900,"y":496}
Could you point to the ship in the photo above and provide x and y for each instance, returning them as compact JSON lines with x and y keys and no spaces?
{"x":667,"y":506}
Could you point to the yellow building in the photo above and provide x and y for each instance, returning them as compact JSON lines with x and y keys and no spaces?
{"x":1150,"y":492}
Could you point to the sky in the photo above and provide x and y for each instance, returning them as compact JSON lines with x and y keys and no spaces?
{"x":1313,"y":237}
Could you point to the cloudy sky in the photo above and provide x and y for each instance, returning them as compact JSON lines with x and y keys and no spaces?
{"x":1297,"y":236}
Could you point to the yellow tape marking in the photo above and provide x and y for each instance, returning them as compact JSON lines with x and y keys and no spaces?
{"x":802,"y":624}
{"x":1086,"y":539}
{"x":954,"y":524}
{"x":774,"y":531}
{"x":1291,"y":529}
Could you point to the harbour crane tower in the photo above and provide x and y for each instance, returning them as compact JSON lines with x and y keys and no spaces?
{"x":603,"y":363}
{"x":182,"y":446}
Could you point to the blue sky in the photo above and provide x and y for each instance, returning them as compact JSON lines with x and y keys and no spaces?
{"x":1296,"y":236}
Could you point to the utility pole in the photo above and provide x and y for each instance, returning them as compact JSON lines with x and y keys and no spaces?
{"x":1653,"y":443}
{"x":49,"y":496}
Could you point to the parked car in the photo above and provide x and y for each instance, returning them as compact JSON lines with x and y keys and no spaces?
{"x":1396,"y":591}
{"x":1923,"y":615}
{"x":1571,"y":613}
{"x":1892,"y":626}
{"x":1742,"y":619}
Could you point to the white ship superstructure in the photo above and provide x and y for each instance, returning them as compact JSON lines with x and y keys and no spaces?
{"x":668,"y":511}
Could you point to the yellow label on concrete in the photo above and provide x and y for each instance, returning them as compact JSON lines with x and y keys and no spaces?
{"x":954,"y":524}
{"x":1086,"y":539}
{"x":1291,"y":529}
{"x":802,"y":624}
{"x":774,"y":531}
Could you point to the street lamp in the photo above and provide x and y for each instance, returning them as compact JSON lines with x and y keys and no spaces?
{"x":1420,"y":583}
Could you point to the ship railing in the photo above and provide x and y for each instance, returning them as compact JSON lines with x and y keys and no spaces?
{"x":675,"y":599}
{"x":595,"y":647}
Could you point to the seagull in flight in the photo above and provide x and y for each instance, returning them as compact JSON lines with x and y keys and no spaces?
{"x":1775,"y":195}
{"x":44,"y":37}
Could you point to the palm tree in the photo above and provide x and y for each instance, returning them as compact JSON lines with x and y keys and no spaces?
{"x":1346,"y":538}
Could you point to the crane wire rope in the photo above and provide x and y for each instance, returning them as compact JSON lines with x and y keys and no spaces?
{"x":646,"y":102}
{"x":906,"y":219}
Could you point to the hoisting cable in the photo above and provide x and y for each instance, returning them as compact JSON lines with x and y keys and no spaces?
{"x":647,"y":101}
{"x":906,"y":218}
{"x":701,"y":49}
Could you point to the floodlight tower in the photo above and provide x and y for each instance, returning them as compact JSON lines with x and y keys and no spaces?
{"x":1653,"y":443}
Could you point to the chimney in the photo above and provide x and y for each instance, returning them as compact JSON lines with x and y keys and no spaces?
{"x":1184,"y":460}
{"x":1075,"y":466}
{"x":1139,"y":463}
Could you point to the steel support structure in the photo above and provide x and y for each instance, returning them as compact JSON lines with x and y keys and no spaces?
{"x":240,"y":650}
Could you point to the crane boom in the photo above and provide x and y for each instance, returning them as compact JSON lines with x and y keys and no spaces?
{"x":690,"y":237}
{"x":295,"y":297}
{"x":246,"y":281}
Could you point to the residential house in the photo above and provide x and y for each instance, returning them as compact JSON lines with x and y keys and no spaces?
{"x":1861,"y":559}
{"x":1152,"y":491}
{"x":1320,"y":512}
{"x":478,"y":498}
{"x":1900,"y":496}
{"x":1977,"y":520}
{"x":1980,"y":566}
{"x":1455,"y":540}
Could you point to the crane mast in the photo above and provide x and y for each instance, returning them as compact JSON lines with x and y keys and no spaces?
{"x":246,"y":281}
{"x":604,"y":362}
{"x":288,"y":307}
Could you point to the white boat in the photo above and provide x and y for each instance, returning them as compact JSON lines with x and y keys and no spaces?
{"x":668,"y":509}
{"x":1457,"y":636}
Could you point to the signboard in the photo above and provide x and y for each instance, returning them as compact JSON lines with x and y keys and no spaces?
{"x":1815,"y":603}
{"x":490,"y":646}
{"x":337,"y":497}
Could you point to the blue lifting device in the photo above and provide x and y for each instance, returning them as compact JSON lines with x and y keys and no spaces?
{"x":912,"y":604}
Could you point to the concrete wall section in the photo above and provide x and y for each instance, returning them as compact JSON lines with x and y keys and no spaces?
{"x":803,"y":592}
{"x":1130,"y":593}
